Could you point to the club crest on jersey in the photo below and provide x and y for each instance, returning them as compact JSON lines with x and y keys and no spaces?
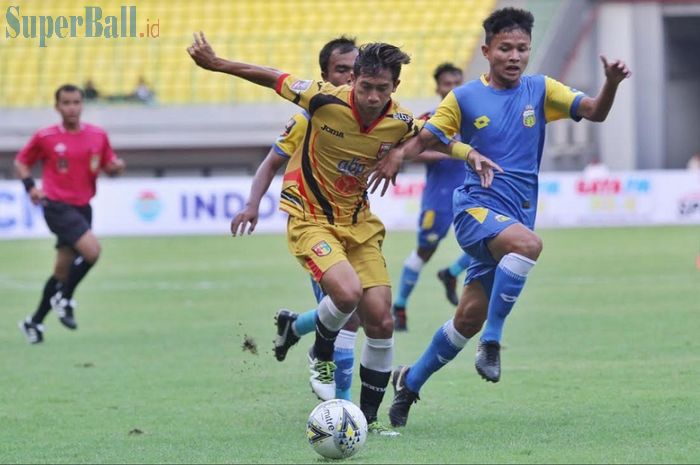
{"x":95,"y":162}
{"x":529,"y":116}
{"x":300,"y":86}
{"x":384,"y":148}
{"x":321,"y":249}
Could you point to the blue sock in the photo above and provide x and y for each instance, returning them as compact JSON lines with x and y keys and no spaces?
{"x":344,"y":361}
{"x":305,"y":323}
{"x":408,"y":282}
{"x":459,"y":265}
{"x":445,"y":346}
{"x":509,"y":280}
{"x":409,"y":276}
{"x":318,"y":292}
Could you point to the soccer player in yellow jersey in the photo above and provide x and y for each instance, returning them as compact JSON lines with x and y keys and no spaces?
{"x":331,"y":230}
{"x":336,"y":60}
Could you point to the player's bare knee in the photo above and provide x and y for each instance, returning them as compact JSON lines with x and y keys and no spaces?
{"x":529,"y":246}
{"x":468,"y":324}
{"x":347,"y":298}
{"x":92,"y":256}
{"x":382,"y":328}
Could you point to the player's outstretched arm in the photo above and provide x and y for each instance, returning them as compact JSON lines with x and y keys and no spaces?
{"x":204,"y":56}
{"x":385,"y":170}
{"x":597,"y":109}
{"x":248,"y":217}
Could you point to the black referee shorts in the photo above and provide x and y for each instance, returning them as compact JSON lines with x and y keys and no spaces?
{"x":67,"y":222}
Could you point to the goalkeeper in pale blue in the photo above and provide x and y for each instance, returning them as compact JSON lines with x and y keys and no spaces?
{"x":502,"y":116}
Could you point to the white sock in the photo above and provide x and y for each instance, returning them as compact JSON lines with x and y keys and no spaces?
{"x":345,"y":340}
{"x":378,"y":354}
{"x":413,"y":262}
{"x":455,"y":338}
{"x":331,"y":317}
{"x":516,"y":264}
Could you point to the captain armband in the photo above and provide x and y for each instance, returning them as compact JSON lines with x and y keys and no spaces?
{"x":28,"y":183}
{"x":460,"y":151}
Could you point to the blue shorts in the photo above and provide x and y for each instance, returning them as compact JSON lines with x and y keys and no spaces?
{"x":475,"y":226}
{"x":433,"y":226}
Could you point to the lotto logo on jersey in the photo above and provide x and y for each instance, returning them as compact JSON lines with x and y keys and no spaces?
{"x":321,"y":249}
{"x":300,"y":86}
{"x":481,"y":122}
{"x":529,"y":116}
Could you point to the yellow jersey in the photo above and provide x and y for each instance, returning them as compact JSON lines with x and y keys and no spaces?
{"x":326,"y":178}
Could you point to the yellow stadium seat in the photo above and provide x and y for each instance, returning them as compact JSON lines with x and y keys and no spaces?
{"x":280,"y":33}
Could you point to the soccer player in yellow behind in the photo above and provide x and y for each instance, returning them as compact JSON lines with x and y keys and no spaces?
{"x":336,"y":60}
{"x":331,"y":230}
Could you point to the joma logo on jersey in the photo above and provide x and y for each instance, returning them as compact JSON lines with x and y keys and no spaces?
{"x":352,"y":167}
{"x":332,"y":131}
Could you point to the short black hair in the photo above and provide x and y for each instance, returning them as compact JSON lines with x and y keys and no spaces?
{"x":375,"y":57}
{"x":508,"y":19}
{"x":68,"y":88}
{"x":343,"y":44}
{"x":445,"y":68}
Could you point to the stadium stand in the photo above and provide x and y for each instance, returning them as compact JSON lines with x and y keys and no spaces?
{"x":286,"y":34}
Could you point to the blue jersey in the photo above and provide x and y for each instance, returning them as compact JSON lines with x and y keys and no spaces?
{"x":442,"y":177}
{"x":508,"y":126}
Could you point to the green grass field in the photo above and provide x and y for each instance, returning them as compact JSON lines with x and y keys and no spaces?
{"x":601,"y":360}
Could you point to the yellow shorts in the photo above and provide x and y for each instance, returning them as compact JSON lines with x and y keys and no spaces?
{"x":319,"y":246}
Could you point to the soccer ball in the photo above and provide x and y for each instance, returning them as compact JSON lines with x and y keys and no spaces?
{"x":336,"y":429}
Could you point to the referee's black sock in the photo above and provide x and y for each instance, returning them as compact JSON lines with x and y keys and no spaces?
{"x":78,"y":269}
{"x":50,"y":288}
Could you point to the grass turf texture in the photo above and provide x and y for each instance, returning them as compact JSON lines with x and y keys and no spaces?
{"x":600,"y":362}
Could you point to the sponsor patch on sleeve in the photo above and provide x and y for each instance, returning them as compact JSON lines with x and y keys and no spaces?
{"x":300,"y":86}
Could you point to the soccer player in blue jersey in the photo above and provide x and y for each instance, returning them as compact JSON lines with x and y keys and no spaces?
{"x":336,"y":60}
{"x":441,"y":179}
{"x":502,"y":115}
